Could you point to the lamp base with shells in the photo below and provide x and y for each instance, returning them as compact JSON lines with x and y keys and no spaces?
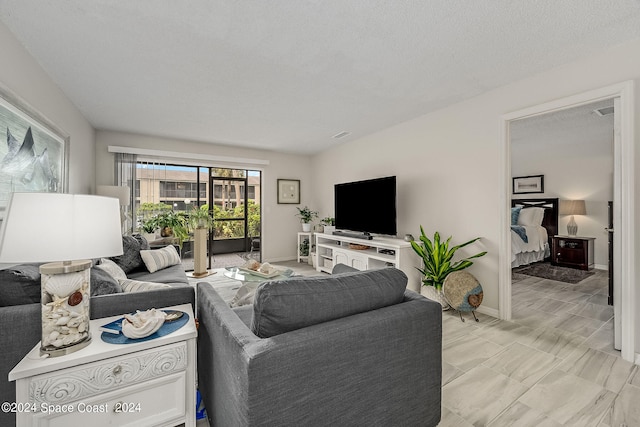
{"x":65,"y":297}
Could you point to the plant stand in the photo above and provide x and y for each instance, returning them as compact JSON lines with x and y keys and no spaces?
{"x":434,"y":294}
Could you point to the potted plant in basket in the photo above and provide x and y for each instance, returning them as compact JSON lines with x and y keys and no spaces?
{"x":173,"y":224}
{"x":437,"y":263}
{"x":306,"y":215}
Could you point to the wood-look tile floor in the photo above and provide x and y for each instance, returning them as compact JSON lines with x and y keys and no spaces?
{"x":553,"y":364}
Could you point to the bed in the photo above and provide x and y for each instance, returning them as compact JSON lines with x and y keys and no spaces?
{"x":534,"y":223}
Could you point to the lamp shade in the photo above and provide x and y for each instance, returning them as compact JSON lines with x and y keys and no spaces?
{"x":45,"y":227}
{"x":116,"y":191}
{"x":573,"y":207}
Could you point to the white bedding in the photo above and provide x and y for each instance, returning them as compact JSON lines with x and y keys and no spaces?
{"x":536,"y":249}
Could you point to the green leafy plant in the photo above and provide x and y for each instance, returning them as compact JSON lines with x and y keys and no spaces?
{"x":149,"y":225}
{"x":173,"y":224}
{"x":199,"y":217}
{"x":306,"y":215}
{"x":437,"y":258}
{"x":328,"y":221}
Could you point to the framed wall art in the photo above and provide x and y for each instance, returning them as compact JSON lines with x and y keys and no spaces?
{"x":289,"y":191}
{"x":35,"y":155}
{"x":528,"y":184}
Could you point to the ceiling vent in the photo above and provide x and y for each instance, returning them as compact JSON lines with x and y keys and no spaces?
{"x":604,"y":111}
{"x":341,"y":135}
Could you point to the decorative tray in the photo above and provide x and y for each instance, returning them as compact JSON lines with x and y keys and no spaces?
{"x":260,"y":274}
{"x":115,"y":336}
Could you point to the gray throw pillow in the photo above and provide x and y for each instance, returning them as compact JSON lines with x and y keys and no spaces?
{"x":130,"y":260}
{"x":102,"y":283}
{"x":287,"y":305}
{"x":20,"y":284}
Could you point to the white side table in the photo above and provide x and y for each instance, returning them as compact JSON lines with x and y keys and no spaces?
{"x":150,"y":383}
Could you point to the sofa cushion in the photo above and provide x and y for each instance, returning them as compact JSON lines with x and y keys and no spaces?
{"x":343,"y":268}
{"x":130,"y":285}
{"x":287,"y":305}
{"x":157,"y":259}
{"x":20,"y":284}
{"x":174,"y":275}
{"x":130,"y":260}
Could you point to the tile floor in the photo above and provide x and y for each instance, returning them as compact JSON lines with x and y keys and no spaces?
{"x":552,"y":365}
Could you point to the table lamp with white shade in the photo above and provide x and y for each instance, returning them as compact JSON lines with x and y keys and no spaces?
{"x":572,"y":207}
{"x":74,"y":228}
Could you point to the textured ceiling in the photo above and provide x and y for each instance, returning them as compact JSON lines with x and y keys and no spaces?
{"x":287,"y":75}
{"x":577,"y":130}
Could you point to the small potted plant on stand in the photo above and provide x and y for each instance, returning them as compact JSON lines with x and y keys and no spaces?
{"x":329,"y":225}
{"x":437,"y":264}
{"x":306,"y":215}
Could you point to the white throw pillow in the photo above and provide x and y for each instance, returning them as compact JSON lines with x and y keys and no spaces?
{"x":157,"y":259}
{"x":112,"y":269}
{"x":531,"y":216}
{"x":245,"y":295}
{"x":129,"y":285}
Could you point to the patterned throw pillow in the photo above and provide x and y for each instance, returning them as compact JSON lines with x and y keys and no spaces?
{"x":157,"y":259}
{"x":129,"y":285}
{"x":112,"y":268}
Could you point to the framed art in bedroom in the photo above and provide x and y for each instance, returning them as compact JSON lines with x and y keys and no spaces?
{"x":289,"y":191}
{"x":35,"y":155}
{"x":528,"y":184}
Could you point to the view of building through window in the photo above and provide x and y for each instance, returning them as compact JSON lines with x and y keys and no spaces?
{"x":235,"y":194}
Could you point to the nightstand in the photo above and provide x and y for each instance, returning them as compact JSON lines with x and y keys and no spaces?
{"x":147,"y":383}
{"x":572,"y":251}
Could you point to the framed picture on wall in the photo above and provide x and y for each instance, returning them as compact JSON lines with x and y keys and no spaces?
{"x":35,"y":155}
{"x":528,"y":184}
{"x":289,"y":191}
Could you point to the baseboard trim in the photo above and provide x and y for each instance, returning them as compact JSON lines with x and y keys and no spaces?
{"x":489,"y":311}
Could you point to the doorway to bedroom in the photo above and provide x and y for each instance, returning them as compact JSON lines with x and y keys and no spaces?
{"x":558,"y":162}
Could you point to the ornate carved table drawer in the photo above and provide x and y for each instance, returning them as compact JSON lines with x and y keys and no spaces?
{"x":151,"y":383}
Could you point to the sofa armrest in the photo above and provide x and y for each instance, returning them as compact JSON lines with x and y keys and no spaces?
{"x":365,"y":369}
{"x":20,"y":332}
{"x":126,"y":302}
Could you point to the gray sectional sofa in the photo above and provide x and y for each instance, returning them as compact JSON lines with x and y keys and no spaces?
{"x":351,"y":349}
{"x":20,"y":309}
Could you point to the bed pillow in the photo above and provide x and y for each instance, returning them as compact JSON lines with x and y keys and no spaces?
{"x":531,"y":216}
{"x":515,"y":213}
{"x":157,"y":259}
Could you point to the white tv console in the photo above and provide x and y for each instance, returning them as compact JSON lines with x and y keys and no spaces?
{"x":381,"y":252}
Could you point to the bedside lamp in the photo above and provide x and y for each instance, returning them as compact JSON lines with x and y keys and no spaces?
{"x":572,"y":207}
{"x":45,"y":227}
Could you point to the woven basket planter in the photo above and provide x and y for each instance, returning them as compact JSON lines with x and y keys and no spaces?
{"x":436,"y":295}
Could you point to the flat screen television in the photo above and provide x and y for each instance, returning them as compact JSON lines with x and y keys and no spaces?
{"x":367,"y":206}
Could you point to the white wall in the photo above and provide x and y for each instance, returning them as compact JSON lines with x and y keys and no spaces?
{"x":279,"y":223}
{"x":448,"y":162}
{"x":572,"y":172}
{"x":21,"y":75}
